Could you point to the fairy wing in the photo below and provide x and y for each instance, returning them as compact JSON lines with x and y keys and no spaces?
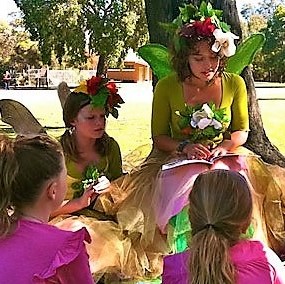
{"x":63,"y":91}
{"x":19,"y":117}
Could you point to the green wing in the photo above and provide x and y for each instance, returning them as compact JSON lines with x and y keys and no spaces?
{"x":245,"y":53}
{"x":157,"y":56}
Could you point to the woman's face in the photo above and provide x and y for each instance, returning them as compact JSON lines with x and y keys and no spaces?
{"x":203,"y":62}
{"x":90,"y":122}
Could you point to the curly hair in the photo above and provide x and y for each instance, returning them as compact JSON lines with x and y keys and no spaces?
{"x":179,"y":58}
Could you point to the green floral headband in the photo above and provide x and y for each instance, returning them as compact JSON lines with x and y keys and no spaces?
{"x":102,"y":94}
{"x":201,"y":23}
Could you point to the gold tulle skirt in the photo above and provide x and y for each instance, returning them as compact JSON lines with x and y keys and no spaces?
{"x":128,"y":242}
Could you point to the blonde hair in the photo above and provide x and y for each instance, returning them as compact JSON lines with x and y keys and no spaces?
{"x":220,"y":210}
{"x":25,"y":165}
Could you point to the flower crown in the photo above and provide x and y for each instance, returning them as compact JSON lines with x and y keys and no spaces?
{"x":102,"y":94}
{"x":203,"y":22}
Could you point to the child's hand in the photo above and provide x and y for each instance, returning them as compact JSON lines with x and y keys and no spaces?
{"x":102,"y":185}
{"x":87,"y":197}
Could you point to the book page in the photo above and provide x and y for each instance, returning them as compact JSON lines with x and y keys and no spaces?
{"x":181,"y":162}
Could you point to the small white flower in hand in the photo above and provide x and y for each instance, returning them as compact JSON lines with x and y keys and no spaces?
{"x":103,"y":183}
{"x":204,"y":122}
{"x":224,"y":42}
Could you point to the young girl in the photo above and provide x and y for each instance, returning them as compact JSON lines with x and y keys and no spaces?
{"x":32,"y":185}
{"x":220,"y":212}
{"x":86,"y":145}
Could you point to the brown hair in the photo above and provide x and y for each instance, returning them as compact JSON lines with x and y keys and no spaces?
{"x":188,"y":46}
{"x":73,"y":104}
{"x":220,"y":210}
{"x":25,"y":165}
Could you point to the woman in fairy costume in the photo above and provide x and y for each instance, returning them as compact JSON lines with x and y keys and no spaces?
{"x":199,"y":112}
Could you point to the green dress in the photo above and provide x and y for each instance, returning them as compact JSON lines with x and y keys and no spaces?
{"x":109,"y":165}
{"x":168,"y":98}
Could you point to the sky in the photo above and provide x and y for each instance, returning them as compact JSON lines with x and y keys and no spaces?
{"x":10,"y":6}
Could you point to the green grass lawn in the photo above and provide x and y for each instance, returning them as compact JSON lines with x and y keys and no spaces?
{"x":132,"y":128}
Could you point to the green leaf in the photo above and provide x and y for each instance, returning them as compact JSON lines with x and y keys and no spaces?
{"x":157,"y":56}
{"x":100,"y":98}
{"x":245,"y":53}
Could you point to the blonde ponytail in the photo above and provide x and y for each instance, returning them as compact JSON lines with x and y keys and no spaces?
{"x":210,"y":263}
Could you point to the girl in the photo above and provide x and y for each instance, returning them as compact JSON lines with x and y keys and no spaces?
{"x":220,"y":212}
{"x":32,"y":185}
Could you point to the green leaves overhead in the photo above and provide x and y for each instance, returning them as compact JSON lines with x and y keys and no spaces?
{"x":157,"y":57}
{"x":245,"y":53}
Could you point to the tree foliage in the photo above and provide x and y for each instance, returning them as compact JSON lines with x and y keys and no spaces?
{"x":17,"y":50}
{"x":269,"y":18}
{"x":83,"y":27}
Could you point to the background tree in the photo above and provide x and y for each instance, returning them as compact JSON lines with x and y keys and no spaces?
{"x":268,"y":18}
{"x":77,"y":28}
{"x":258,"y":142}
{"x":17,"y":50}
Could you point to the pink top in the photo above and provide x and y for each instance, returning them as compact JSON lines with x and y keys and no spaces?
{"x":41,"y":253}
{"x":254,"y":264}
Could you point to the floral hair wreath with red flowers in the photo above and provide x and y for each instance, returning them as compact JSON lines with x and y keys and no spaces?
{"x":102,"y":94}
{"x":200,"y":23}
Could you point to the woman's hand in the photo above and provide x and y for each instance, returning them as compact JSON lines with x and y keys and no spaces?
{"x":196,"y":151}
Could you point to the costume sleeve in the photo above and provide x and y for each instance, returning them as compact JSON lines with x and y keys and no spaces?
{"x":161,"y":111}
{"x":115,"y":160}
{"x":70,"y":264}
{"x":240,"y":119}
{"x":275,"y":262}
{"x":77,"y":271}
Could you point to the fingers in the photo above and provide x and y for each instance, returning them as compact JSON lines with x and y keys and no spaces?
{"x":198,"y":151}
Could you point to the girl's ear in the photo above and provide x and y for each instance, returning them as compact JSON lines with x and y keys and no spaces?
{"x":51,"y":190}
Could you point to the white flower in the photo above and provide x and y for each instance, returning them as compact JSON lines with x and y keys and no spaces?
{"x":224,"y":42}
{"x":216,"y":124}
{"x":204,"y":122}
{"x":204,"y":115}
{"x":204,"y":118}
{"x":103,"y":183}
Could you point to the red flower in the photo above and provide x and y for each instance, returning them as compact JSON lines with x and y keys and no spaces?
{"x":198,"y":28}
{"x":204,"y":28}
{"x":111,"y":86}
{"x":93,"y":85}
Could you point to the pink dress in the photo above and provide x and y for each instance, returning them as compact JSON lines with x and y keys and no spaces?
{"x":254,"y":263}
{"x":41,"y":253}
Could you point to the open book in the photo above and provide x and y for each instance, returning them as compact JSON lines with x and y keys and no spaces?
{"x":181,"y":162}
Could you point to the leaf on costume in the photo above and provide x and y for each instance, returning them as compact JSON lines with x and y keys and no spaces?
{"x":245,"y":53}
{"x":157,"y":56}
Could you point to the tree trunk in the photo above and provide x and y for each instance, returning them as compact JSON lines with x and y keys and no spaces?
{"x":257,"y":141}
{"x":102,"y":66}
{"x":166,"y":10}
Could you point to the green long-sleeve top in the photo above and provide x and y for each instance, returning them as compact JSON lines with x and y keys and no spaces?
{"x":110,"y":165}
{"x":168,"y":98}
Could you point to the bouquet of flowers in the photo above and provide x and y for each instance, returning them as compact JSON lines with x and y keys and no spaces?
{"x":202,"y":122}
{"x":90,"y":177}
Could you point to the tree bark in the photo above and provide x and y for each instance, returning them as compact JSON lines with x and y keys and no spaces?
{"x":258,"y":141}
{"x":166,"y":11}
{"x":102,"y":66}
